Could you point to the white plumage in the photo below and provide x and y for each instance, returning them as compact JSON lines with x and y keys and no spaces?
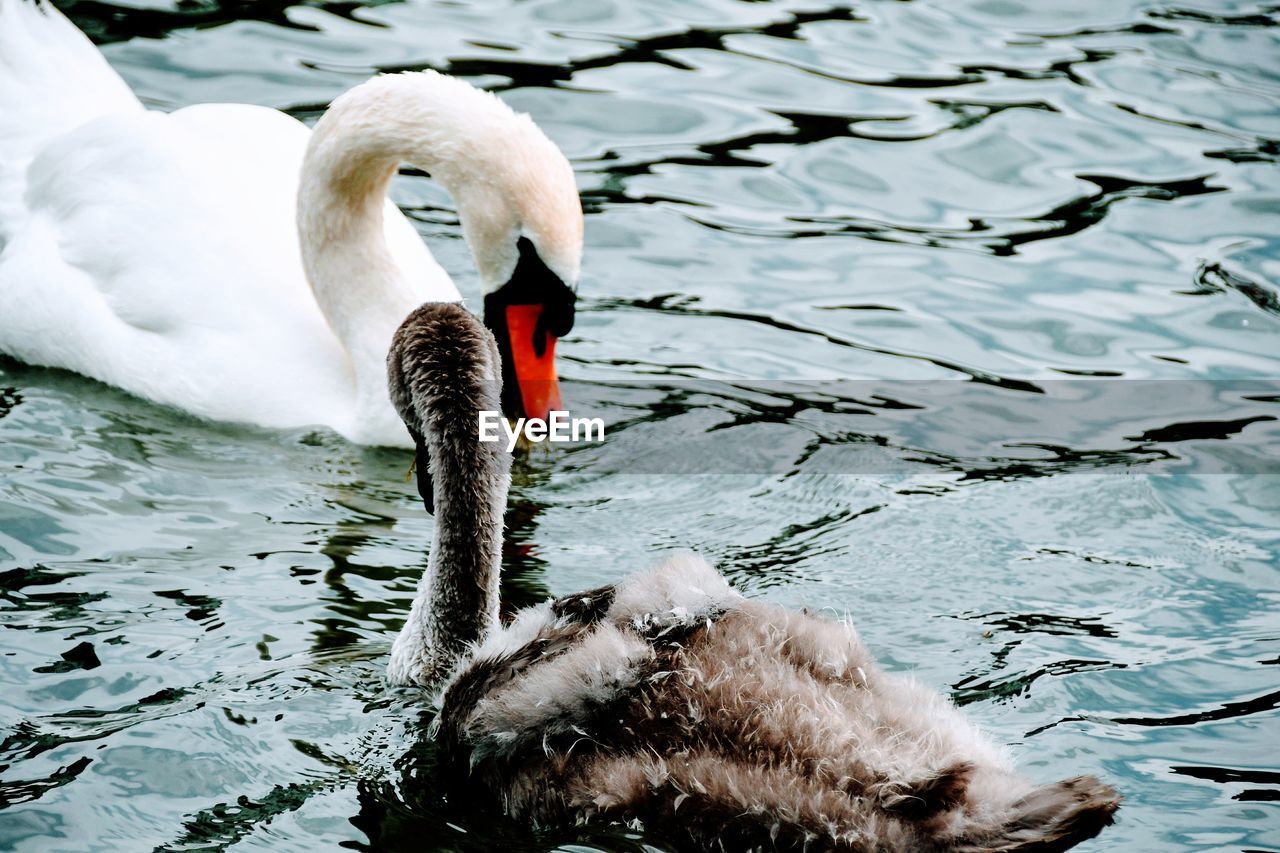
{"x":161,"y":252}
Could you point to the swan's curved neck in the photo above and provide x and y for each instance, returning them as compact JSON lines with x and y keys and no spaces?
{"x":443,"y":370}
{"x":456,"y":604}
{"x":433,"y":122}
{"x":357,"y":283}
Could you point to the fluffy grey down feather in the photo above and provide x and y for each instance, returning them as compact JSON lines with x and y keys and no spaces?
{"x":670,"y":701}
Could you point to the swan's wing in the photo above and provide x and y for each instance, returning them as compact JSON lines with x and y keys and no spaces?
{"x":153,"y":242}
{"x":190,"y":217}
{"x":172,"y":219}
{"x":52,"y":80}
{"x":159,"y":253}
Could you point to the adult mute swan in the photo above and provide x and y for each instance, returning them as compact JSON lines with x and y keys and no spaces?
{"x":224,"y":260}
{"x":668,"y":698}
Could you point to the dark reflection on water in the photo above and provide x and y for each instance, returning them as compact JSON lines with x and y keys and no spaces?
{"x":954,"y":204}
{"x":113,"y":22}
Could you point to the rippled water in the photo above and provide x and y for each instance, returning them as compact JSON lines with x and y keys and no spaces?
{"x":196,"y":617}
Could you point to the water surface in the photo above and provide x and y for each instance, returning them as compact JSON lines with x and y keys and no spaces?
{"x":965,"y":208}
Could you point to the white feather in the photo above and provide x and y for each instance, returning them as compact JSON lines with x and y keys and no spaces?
{"x":160,"y":252}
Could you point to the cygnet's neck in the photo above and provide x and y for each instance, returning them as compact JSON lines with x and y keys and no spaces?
{"x":443,"y":370}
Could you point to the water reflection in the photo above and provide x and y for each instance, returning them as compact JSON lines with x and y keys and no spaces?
{"x":955,"y":204}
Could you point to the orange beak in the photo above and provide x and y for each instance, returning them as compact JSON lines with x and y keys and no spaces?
{"x":535,"y":371}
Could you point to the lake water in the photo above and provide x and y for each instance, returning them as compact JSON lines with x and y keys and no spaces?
{"x":1040,"y":246}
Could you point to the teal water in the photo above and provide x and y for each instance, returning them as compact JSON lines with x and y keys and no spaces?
{"x":914,"y":195}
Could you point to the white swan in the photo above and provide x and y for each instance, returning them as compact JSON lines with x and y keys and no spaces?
{"x":224,"y":260}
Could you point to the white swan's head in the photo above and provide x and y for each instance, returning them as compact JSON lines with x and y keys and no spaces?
{"x":515,"y":194}
{"x":522,"y":218}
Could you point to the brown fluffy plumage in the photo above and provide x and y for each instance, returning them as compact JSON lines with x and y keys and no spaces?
{"x":670,"y":701}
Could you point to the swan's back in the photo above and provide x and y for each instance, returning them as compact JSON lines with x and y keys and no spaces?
{"x":159,"y":252}
{"x":671,"y":700}
{"x":40,"y":51}
{"x":137,"y":260}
